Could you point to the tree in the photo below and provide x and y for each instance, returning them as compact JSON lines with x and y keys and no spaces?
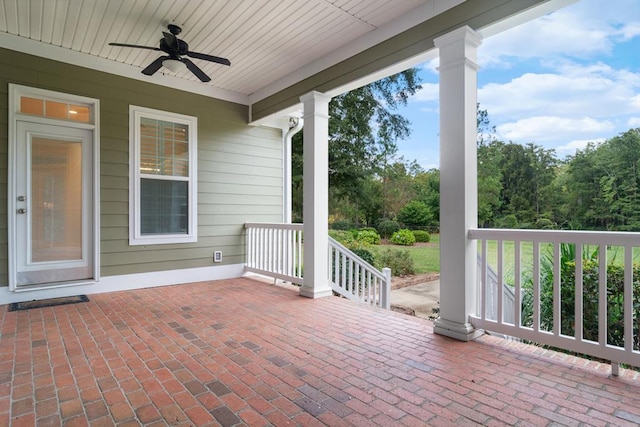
{"x":489,"y":182}
{"x":397,"y":186}
{"x":363,"y":129}
{"x":415,"y":214}
{"x":489,"y":153}
{"x":427,"y":190}
{"x":602,"y":184}
{"x":527,"y":174}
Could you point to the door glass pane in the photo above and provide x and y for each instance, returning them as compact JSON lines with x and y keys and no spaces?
{"x":56,"y":205}
{"x":164,"y":207}
{"x":32,"y":106}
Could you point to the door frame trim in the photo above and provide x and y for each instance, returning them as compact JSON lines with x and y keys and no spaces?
{"x":15,"y":92}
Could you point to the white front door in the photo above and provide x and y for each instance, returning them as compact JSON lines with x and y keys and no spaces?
{"x":53,"y":207}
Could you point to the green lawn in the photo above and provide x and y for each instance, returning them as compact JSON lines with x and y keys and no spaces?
{"x":426,"y":258}
{"x":615,"y":254}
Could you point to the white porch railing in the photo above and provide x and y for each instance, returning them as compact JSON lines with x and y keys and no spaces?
{"x":354,"y":278}
{"x":275,"y":250}
{"x":563,"y":302}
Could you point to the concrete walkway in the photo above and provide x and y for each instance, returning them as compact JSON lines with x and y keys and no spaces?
{"x":421,"y":298}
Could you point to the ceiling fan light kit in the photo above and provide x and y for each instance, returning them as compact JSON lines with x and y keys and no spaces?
{"x":175,"y":50}
{"x":174,"y":65}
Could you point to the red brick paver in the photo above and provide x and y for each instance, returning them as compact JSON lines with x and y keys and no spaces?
{"x":242,"y":352}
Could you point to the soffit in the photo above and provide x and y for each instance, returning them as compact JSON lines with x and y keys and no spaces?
{"x":265,"y":40}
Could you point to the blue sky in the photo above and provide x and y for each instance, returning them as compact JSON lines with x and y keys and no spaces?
{"x":559,"y":81}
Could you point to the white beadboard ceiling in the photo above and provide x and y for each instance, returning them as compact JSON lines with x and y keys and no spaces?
{"x":265,"y":40}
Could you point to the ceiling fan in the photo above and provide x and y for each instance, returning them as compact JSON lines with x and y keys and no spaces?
{"x":175,"y":50}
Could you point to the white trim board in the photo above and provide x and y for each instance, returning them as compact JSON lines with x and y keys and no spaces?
{"x":127,"y":282}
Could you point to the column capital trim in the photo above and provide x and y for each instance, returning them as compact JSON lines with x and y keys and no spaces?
{"x":465,"y":34}
{"x":315,"y":96}
{"x":462,"y":61}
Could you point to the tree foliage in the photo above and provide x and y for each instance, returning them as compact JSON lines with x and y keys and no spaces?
{"x":519,"y":185}
{"x":364,"y":127}
{"x":602,"y":184}
{"x":415,"y":215}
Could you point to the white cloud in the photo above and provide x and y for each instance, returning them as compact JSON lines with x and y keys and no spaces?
{"x":578,"y":144}
{"x":595,"y":90}
{"x":582,"y":30}
{"x":630,"y":31}
{"x":561,"y":80}
{"x":541,"y":129}
{"x":429,"y":92}
{"x":432,"y":65}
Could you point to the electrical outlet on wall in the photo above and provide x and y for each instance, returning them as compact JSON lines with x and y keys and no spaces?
{"x":217,"y":256}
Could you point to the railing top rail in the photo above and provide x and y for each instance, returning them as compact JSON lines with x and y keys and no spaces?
{"x":615,"y":238}
{"x":276,"y":226}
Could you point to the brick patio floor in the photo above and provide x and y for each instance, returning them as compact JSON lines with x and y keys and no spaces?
{"x":242,"y":352}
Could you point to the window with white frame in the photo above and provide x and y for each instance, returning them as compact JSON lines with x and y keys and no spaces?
{"x":162,"y":190}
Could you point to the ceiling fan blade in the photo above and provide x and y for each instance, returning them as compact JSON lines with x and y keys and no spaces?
{"x":154,"y":66}
{"x":204,"y":56}
{"x":171,"y":41}
{"x":195,"y":70}
{"x":133,"y":45}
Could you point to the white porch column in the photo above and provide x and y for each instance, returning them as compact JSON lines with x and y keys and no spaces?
{"x":458,"y":182}
{"x":316,"y":195}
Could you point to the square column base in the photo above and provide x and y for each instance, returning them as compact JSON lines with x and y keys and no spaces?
{"x":311,"y":292}
{"x":459,"y":331}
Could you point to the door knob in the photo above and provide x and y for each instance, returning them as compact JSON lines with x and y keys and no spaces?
{"x":22,"y":211}
{"x":21,"y":198}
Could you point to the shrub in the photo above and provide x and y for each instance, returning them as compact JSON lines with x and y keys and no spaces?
{"x":399,"y":261}
{"x":344,"y":237}
{"x":422,"y":236}
{"x":387,"y":227}
{"x":615,"y":303}
{"x":368,"y":236}
{"x":341,"y":224}
{"x":509,"y":221}
{"x":403,"y":237}
{"x":545,"y":224}
{"x":366,"y":255}
{"x":415,"y":214}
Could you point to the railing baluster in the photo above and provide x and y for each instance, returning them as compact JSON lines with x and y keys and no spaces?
{"x":536,"y":286}
{"x":287,"y":252}
{"x":517,"y":279}
{"x":602,"y":296}
{"x":500,"y":281}
{"x":628,"y":298}
{"x":578,"y":321}
{"x":556,"y":289}
{"x":299,"y":254}
{"x":483,"y":281}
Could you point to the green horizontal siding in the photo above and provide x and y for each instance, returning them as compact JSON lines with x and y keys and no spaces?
{"x":239,"y":166}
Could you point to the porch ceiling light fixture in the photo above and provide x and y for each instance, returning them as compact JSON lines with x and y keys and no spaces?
{"x":174,"y":65}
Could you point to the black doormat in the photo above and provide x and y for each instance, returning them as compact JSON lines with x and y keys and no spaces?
{"x":26,"y":305}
